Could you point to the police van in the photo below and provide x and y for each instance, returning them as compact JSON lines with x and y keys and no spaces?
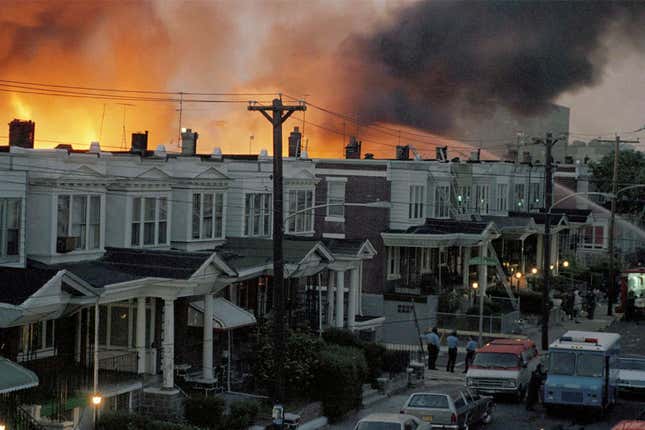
{"x":582,"y":370}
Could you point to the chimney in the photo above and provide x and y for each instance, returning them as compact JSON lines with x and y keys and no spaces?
{"x":217,"y":153}
{"x":188,"y":141}
{"x":95,"y":148}
{"x":160,"y":151}
{"x":353,"y":149}
{"x":526,"y":158}
{"x":369,"y":156}
{"x":402,"y":152}
{"x":295,"y":143}
{"x":441,"y":153}
{"x":21,"y":133}
{"x":139,"y":143}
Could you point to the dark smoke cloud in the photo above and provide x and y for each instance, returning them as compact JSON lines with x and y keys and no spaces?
{"x":439,"y":58}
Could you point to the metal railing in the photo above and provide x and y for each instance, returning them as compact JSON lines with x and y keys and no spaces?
{"x":14,"y":416}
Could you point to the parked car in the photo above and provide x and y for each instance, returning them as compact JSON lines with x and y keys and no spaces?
{"x":629,"y":425}
{"x":454,"y":409}
{"x":631,"y":373}
{"x":391,"y":422}
{"x":503,"y":366}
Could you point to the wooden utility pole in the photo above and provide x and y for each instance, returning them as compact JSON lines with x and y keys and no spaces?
{"x":611,"y":288}
{"x":279,"y":114}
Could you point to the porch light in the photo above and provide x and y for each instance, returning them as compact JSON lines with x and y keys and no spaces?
{"x":3,"y":427}
{"x":565,"y":263}
{"x":518,"y":275}
{"x":551,"y":267}
{"x":96,"y":400}
{"x":475,"y":286}
{"x":534,"y":270}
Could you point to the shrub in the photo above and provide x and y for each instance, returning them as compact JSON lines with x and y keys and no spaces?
{"x":374,"y":358}
{"x":341,"y":373}
{"x":206,"y":412}
{"x":449,"y":302}
{"x":342,"y":337}
{"x":128,"y":421}
{"x":395,"y":361}
{"x":242,"y":414}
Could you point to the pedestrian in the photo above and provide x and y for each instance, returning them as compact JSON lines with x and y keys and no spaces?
{"x":577,"y":305}
{"x":432,"y":339}
{"x":535,"y":384}
{"x":630,"y":306}
{"x":591,"y":304}
{"x":471,"y":347}
{"x":452,"y":341}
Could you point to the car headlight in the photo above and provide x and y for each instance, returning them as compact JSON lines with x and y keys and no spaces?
{"x":510,"y":383}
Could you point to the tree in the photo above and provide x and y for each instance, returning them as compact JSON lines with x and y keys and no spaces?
{"x":631,"y":171}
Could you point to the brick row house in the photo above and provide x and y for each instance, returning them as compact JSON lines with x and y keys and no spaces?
{"x":156,"y":264}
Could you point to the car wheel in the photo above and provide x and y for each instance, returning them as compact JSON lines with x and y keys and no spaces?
{"x":521,"y":392}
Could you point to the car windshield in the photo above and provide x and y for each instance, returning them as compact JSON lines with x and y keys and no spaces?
{"x":373,"y":425}
{"x":590,"y":365}
{"x":496,"y":359}
{"x":562,"y":363}
{"x":434,"y":401}
{"x":631,"y":364}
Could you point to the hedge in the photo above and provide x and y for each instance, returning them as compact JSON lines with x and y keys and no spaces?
{"x":373,"y":351}
{"x":129,"y":421}
{"x":341,"y":373}
{"x":395,"y":361}
{"x":205,"y":412}
{"x":242,"y":414}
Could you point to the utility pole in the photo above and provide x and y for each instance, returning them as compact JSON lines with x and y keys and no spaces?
{"x":611,"y":290}
{"x":181,"y":111}
{"x":546,"y":263}
{"x":279,"y":114}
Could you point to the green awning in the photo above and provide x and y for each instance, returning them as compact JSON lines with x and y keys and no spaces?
{"x":477,"y":261}
{"x":14,"y":377}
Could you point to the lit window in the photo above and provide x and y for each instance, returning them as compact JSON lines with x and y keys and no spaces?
{"x":481,"y":198}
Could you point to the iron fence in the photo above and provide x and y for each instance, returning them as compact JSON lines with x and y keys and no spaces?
{"x":14,"y":416}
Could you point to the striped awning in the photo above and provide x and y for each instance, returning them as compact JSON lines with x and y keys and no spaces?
{"x":14,"y":377}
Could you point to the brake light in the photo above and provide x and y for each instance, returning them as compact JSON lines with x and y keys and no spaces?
{"x":591,"y":340}
{"x":453,"y":419}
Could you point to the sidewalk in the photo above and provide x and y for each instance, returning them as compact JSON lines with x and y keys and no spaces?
{"x":557,"y":328}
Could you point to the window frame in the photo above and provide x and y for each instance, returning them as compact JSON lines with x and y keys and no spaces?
{"x":416,"y":202}
{"x":502,"y":198}
{"x":44,"y":350}
{"x":393,"y":268}
{"x":141,"y":221}
{"x":442,"y":201}
{"x":5,"y":256}
{"x":85,"y":226}
{"x":264,"y":215}
{"x":305,"y":217}
{"x":217,"y":215}
{"x":105,"y":339}
{"x":482,"y":198}
{"x":335,"y":210}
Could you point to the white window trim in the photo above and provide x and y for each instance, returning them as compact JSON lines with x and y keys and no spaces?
{"x":4,"y":257}
{"x":393,"y":253}
{"x":201,"y":216}
{"x":44,"y":351}
{"x":412,"y":196}
{"x":142,"y":220}
{"x":131,"y":305}
{"x":329,"y":180}
{"x":262,"y":215}
{"x":501,"y":197}
{"x":446,"y":204}
{"x":88,"y":197}
{"x":287,"y":218}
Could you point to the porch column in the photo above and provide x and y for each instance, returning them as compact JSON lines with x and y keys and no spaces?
{"x":555,"y":251}
{"x":207,"y":350}
{"x":79,"y":334}
{"x":483,"y":281}
{"x":330,"y":299}
{"x":539,"y":252}
{"x":340,"y":299}
{"x":351,"y":304}
{"x":466,"y":267}
{"x":141,"y":335}
{"x":523,"y":260}
{"x":168,"y":344}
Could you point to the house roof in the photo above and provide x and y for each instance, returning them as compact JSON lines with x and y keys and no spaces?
{"x":573,"y":215}
{"x":448,"y":226}
{"x":122,"y":265}
{"x":442,"y":232}
{"x":540,"y":217}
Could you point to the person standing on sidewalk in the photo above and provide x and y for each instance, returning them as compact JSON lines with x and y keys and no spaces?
{"x":471,"y":347}
{"x":432,"y":338}
{"x":577,"y":305}
{"x":453,"y":341}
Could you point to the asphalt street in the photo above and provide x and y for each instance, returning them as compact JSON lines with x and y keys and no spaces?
{"x":509,"y":415}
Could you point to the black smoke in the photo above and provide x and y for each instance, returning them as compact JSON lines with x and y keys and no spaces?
{"x":440,"y":59}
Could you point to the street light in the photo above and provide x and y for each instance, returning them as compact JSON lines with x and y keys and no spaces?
{"x":534,"y":270}
{"x":565,"y":264}
{"x":96,"y":402}
{"x":518,"y":276}
{"x":475,"y":286}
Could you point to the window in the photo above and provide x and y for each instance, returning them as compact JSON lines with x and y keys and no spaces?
{"x":502,"y":198}
{"x":519,"y":196}
{"x":335,"y":198}
{"x":393,"y":262}
{"x":590,"y":365}
{"x":79,"y":216}
{"x":594,"y":237}
{"x":257,"y":214}
{"x":10,"y":217}
{"x":432,"y":401}
{"x":149,"y":221}
{"x":562,"y":363}
{"x":404,"y":309}
{"x":463,"y":200}
{"x":536,"y":195}
{"x":481,"y":198}
{"x":441,"y":201}
{"x":118,"y":324}
{"x":300,"y":220}
{"x":415,"y":207}
{"x":208,"y":215}
{"x":35,"y":339}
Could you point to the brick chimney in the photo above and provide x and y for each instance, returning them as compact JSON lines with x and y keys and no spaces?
{"x":353,"y":149}
{"x":441,"y":153}
{"x":403,"y":152}
{"x":21,"y":133}
{"x":139,"y":143}
{"x":188,"y":141}
{"x":295,"y":143}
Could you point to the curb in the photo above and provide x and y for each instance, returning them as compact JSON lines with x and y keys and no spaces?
{"x":315,"y":424}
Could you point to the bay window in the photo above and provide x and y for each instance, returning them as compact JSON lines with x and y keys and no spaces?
{"x":149,"y":221}
{"x":481,"y":198}
{"x":10,"y":220}
{"x":79,"y":217}
{"x":417,"y":199}
{"x":208,"y":216}
{"x":300,"y":216}
{"x":442,"y":201}
{"x":257,"y":214}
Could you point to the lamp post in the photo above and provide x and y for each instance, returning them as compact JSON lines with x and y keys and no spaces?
{"x":518,"y":276}
{"x":96,"y":403}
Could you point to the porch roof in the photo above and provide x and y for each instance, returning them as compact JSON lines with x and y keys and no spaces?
{"x":19,"y":284}
{"x":227,"y":315}
{"x":577,"y":216}
{"x":559,"y":221}
{"x":354,"y":248}
{"x":14,"y":377}
{"x":442,"y":233}
{"x":513,"y":228}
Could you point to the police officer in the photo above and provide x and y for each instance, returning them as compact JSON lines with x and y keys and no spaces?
{"x":452,"y":341}
{"x":471,"y":347}
{"x":432,"y":339}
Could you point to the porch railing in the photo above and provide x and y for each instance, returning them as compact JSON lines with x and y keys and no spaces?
{"x":14,"y":416}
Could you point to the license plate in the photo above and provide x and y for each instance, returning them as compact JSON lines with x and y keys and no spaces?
{"x":427,"y":418}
